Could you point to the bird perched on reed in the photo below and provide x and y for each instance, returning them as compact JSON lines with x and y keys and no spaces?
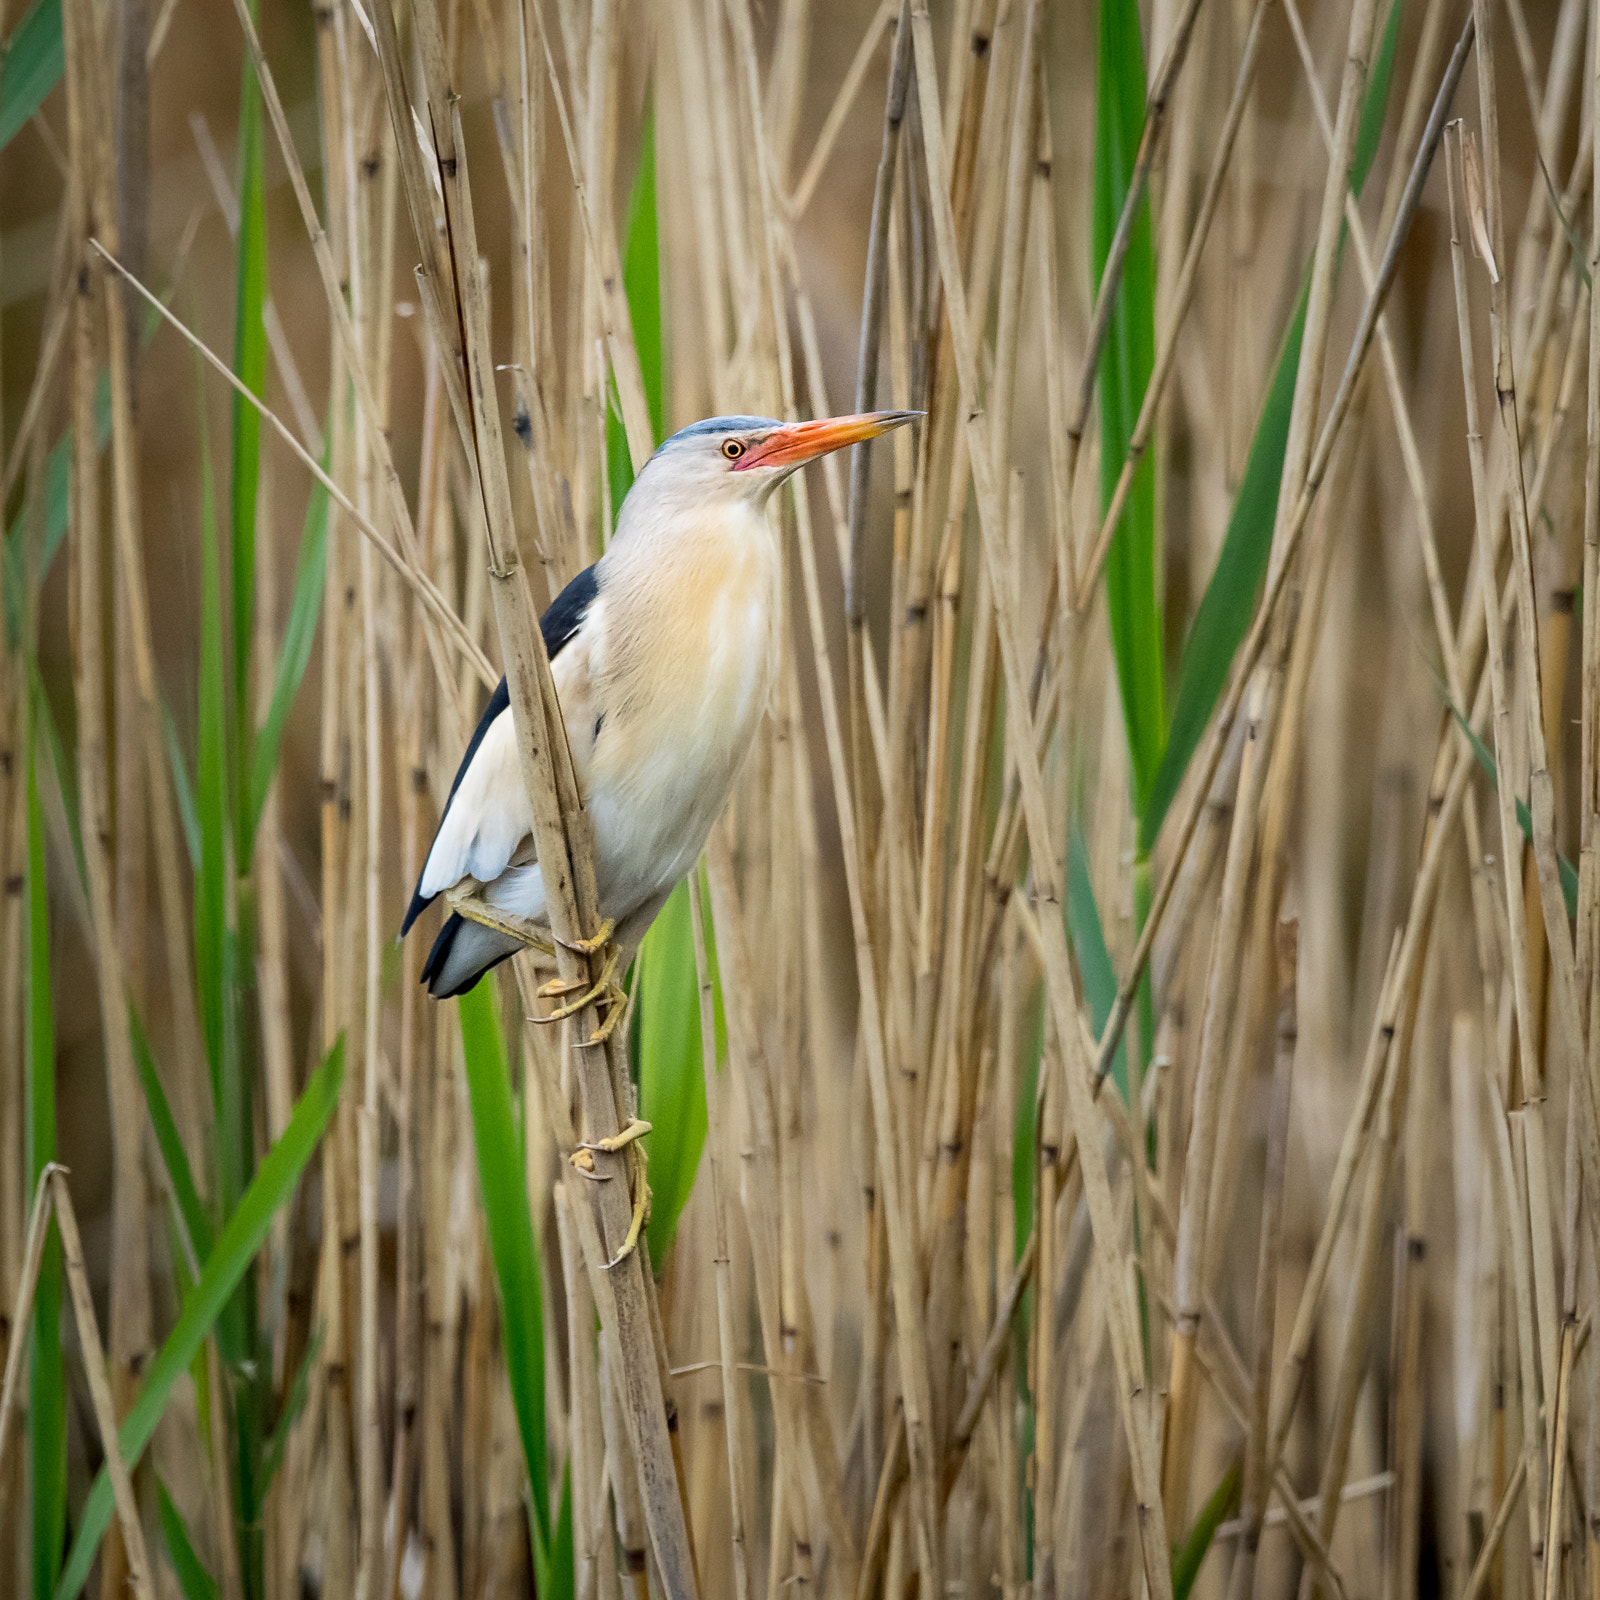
{"x":663,"y":655}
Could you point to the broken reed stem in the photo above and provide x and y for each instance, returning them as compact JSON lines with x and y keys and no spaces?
{"x":22,"y":1314}
{"x":94,"y":1363}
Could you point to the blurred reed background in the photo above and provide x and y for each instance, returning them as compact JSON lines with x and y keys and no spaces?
{"x":1123,"y":1076}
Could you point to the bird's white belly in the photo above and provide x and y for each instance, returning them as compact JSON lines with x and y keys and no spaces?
{"x":665,"y":761}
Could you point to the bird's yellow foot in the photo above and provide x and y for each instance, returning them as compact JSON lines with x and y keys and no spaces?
{"x":604,"y":987}
{"x":509,"y":923}
{"x":613,"y":1142}
{"x":595,"y":941}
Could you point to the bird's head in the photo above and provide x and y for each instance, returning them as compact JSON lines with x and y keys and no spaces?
{"x":731,"y":459}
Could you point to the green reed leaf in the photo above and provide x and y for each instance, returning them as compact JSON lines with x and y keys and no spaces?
{"x":250,"y":366}
{"x":1226,"y":609}
{"x":1187,"y":1558}
{"x":34,"y":58}
{"x":672,"y":1087}
{"x":193,"y":1579}
{"x":170,"y":1142}
{"x":310,"y":571}
{"x":230,"y":1258}
{"x":1133,"y":600}
{"x":502,"y":1181}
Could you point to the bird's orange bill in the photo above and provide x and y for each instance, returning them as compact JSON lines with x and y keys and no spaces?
{"x":802,"y":441}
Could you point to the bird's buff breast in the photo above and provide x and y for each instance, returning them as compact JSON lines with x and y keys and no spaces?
{"x":688,"y":667}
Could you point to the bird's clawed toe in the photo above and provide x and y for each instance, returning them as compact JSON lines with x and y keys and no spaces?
{"x":637,"y":1128}
{"x":595,"y":941}
{"x":604,"y":988}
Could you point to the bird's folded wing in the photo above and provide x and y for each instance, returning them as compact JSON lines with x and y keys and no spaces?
{"x":487,"y":818}
{"x":487,"y":823}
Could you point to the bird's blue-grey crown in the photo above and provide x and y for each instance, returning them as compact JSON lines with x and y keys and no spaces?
{"x":718,"y":425}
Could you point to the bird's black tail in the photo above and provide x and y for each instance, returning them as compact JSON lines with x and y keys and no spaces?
{"x":462,"y":953}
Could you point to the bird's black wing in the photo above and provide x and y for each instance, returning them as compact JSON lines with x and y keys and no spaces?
{"x":559,"y":623}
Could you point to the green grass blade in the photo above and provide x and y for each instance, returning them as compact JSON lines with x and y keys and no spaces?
{"x":1223,"y":616}
{"x":304,"y":611}
{"x":47,"y":1380}
{"x":1225,"y":611}
{"x":1088,"y":938}
{"x":1375,"y":103}
{"x":1186,"y":1560}
{"x":1569,"y":873}
{"x":1027,"y":1123}
{"x":557,"y":1574}
{"x":47,"y":738}
{"x":213,"y":945}
{"x":641,"y":273}
{"x":641,"y":282}
{"x":250,"y":365}
{"x":35,"y":55}
{"x":502,"y":1179}
{"x":181,"y":787}
{"x":170,"y":1142}
{"x":193,"y":1579}
{"x":58,"y":472}
{"x":294,"y":1402}
{"x":1132,"y":600}
{"x":672,"y":1085}
{"x":230,"y":1258}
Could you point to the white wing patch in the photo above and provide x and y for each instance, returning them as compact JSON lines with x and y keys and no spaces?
{"x":487,"y":818}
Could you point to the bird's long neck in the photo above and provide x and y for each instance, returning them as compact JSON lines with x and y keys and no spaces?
{"x":690,"y":601}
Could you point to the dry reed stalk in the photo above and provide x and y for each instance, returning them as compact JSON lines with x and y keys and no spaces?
{"x":1541,"y":798}
{"x":1288,"y":536}
{"x":1516,"y":923}
{"x":130,"y":1319}
{"x":818,"y":1474}
{"x":1217,"y":1022}
{"x":1403,"y":959}
{"x":732,"y":1418}
{"x":894,"y":1180}
{"x":1059,"y":979}
{"x":27,"y":1284}
{"x":135,"y":1559}
{"x":1256,"y":1483}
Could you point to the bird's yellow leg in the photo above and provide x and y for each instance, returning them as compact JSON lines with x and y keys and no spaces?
{"x":625,"y":1140}
{"x":509,"y":923}
{"x":595,"y":941}
{"x":604,"y":987}
{"x":641,"y":1212}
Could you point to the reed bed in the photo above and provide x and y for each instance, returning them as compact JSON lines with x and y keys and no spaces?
{"x":1125,"y":1073}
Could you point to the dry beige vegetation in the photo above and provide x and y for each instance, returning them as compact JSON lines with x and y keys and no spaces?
{"x":1147,"y":1070}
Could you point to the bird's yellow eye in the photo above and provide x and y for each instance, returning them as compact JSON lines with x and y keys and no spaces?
{"x":733,"y":448}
